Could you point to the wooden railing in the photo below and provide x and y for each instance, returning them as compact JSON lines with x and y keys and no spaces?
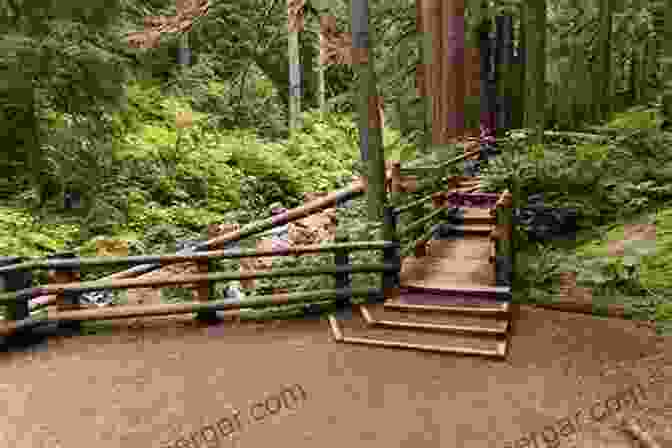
{"x":502,"y":252}
{"x":501,"y":249}
{"x":397,"y":181}
{"x":64,"y":293}
{"x":354,"y":190}
{"x":67,"y":288}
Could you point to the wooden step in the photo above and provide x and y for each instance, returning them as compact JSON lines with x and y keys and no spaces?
{"x":433,"y":322}
{"x":447,"y":273}
{"x":468,"y":188}
{"x":492,"y":292}
{"x":454,"y":181}
{"x":456,"y":230}
{"x":494,"y":309}
{"x":480,"y":229}
{"x":477,"y":216}
{"x":473,"y":199}
{"x":469,"y":247}
{"x":472,"y":294}
{"x":412,"y":340}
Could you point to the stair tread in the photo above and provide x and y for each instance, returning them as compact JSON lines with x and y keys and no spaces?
{"x":475,"y":227}
{"x":467,"y":188}
{"x":440,"y":272}
{"x":454,"y":281}
{"x":467,"y":307}
{"x":452,"y":263}
{"x":356,"y":328}
{"x":470,"y":290}
{"x":499,"y":351}
{"x":469,"y":247}
{"x":472,"y":212}
{"x":468,"y":228}
{"x":456,"y":321}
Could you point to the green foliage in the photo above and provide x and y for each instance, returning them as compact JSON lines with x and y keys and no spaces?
{"x":621,"y":180}
{"x":22,"y":235}
{"x":162,"y":183}
{"x":664,"y":312}
{"x":55,"y":59}
{"x":636,"y":119}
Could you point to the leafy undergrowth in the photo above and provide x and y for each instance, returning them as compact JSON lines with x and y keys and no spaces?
{"x":170,"y":183}
{"x":622,"y":176}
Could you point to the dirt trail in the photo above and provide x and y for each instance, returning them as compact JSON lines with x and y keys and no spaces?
{"x":147,"y":388}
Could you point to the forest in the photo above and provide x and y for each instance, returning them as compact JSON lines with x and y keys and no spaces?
{"x":105,"y":140}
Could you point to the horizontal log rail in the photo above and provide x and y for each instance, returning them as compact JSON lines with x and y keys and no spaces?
{"x":123,"y":312}
{"x":165,"y":260}
{"x":578,"y":135}
{"x":415,"y":204}
{"x":81,"y":287}
{"x":422,"y":221}
{"x":355,"y":189}
{"x":445,"y":163}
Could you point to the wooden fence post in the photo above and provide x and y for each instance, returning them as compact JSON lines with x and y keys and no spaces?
{"x":391,"y":280}
{"x":205,"y":291}
{"x":343,"y":280}
{"x":503,"y":234}
{"x":68,"y":300}
{"x":15,"y":281}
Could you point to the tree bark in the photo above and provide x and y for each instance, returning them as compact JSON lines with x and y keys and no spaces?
{"x":368,"y":101}
{"x":535,"y":69}
{"x":605,"y":81}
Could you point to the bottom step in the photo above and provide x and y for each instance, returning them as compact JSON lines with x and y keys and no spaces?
{"x":494,"y":348}
{"x":447,"y":323}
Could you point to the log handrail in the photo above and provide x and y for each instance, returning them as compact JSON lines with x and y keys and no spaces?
{"x":356,"y":188}
{"x":122,"y":312}
{"x":166,"y":260}
{"x":80,"y":287}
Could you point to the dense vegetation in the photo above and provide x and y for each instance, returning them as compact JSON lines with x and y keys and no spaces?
{"x":153,"y":152}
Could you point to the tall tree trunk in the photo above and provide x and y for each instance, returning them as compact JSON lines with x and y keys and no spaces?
{"x":535,"y":70}
{"x":444,"y":21}
{"x":370,"y":129}
{"x":605,"y":81}
{"x":637,"y":73}
{"x":488,"y":74}
{"x":452,"y":70}
{"x":663,"y":27}
{"x":504,"y":62}
{"x":294,"y":81}
{"x":423,"y":71}
{"x":582,"y":89}
{"x":522,"y":67}
{"x":321,"y":87}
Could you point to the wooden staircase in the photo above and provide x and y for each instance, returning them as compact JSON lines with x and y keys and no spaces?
{"x":448,"y":301}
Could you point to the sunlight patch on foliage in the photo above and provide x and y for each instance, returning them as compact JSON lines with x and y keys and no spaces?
{"x":653,"y":258}
{"x":21,"y":235}
{"x":636,"y":119}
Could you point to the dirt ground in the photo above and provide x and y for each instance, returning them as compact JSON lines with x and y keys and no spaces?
{"x":287,"y":383}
